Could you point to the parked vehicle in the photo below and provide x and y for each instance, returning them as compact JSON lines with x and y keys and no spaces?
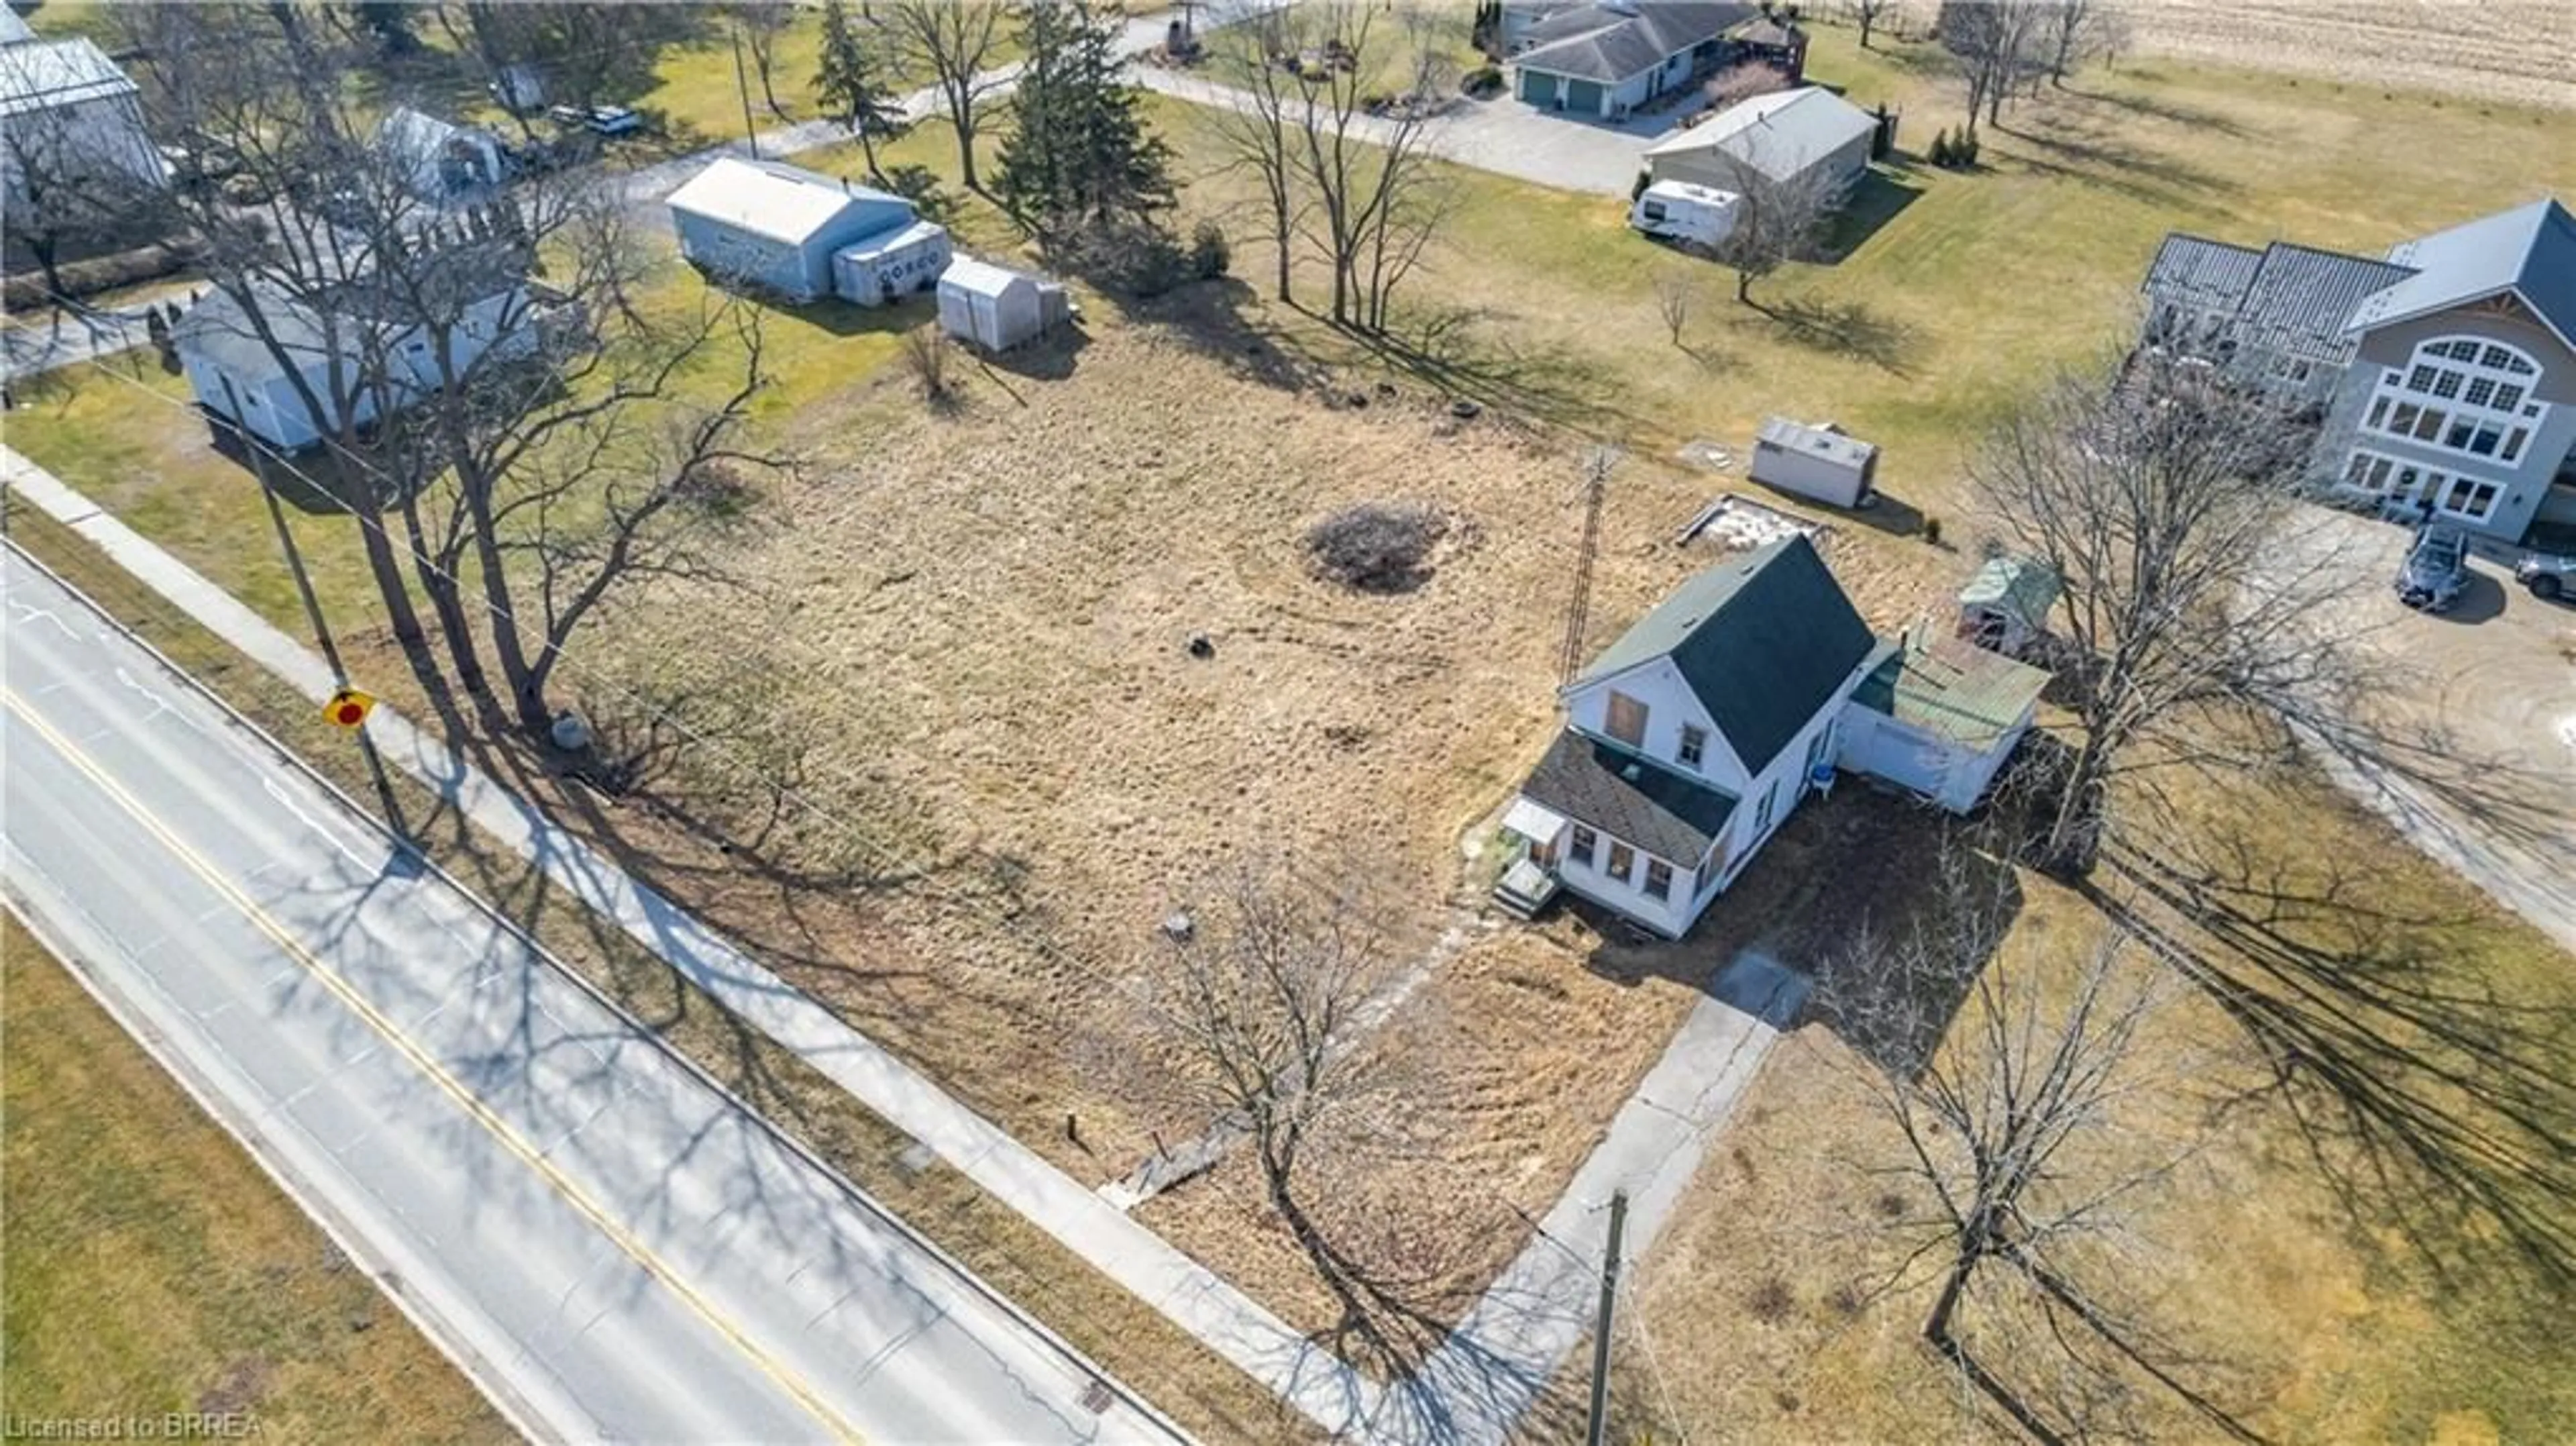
{"x":2436,"y":570}
{"x":2549,"y":578}
{"x":567,"y":115}
{"x":1683,"y":212}
{"x":614,"y":120}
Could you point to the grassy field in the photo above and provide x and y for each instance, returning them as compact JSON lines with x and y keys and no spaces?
{"x":1207,"y":1395}
{"x":154,"y":1268}
{"x":993,"y":599}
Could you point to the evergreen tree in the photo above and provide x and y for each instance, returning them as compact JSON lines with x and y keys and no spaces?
{"x":1080,"y":156}
{"x":851,"y":84}
{"x":1939,"y":154}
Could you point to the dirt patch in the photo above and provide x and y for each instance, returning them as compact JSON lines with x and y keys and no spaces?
{"x":2513,"y":52}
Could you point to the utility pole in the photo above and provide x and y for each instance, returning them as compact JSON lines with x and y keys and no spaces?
{"x":312,"y":604}
{"x":1578,"y":609}
{"x":1600,"y":1420}
{"x":742,"y":87}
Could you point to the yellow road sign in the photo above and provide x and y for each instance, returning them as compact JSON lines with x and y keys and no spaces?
{"x":348,"y":708}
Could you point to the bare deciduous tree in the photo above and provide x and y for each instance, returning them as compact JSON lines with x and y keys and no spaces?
{"x":2072,"y":32}
{"x":2035,"y":1123}
{"x":1739,"y":83}
{"x":1361,"y":189}
{"x":1867,"y":13}
{"x":763,"y":23}
{"x":1674,"y":292}
{"x":1992,"y":41}
{"x":954,"y":40}
{"x":1262,"y":1015}
{"x":2166,"y":500}
{"x":1778,"y":220}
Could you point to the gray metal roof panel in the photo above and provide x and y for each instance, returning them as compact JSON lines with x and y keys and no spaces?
{"x":2197,"y":271}
{"x":44,"y":75}
{"x":2309,"y":294}
{"x":2530,"y":249}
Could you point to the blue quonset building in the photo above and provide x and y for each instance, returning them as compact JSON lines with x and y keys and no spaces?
{"x":781,"y":229}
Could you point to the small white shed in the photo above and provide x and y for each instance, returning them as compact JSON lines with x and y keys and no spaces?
{"x":995,"y":307}
{"x":1822,"y":463}
{"x":874,"y":270}
{"x":1685,"y":211}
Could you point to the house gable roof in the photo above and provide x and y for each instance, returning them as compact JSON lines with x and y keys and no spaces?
{"x":1637,"y":802}
{"x":14,"y":29}
{"x":1765,"y":641}
{"x":777,"y":202}
{"x":2529,"y":250}
{"x":1780,"y":134}
{"x":49,"y":74}
{"x":1609,"y":43}
{"x":2196,"y":271}
{"x":2287,"y":292}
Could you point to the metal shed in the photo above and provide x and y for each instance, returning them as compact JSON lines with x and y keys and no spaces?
{"x":776,"y":227}
{"x":995,"y":307}
{"x":2005,"y":606}
{"x":877,"y":269}
{"x":1822,"y":463}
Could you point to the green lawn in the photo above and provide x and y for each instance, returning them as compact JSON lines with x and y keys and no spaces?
{"x":153,"y":1268}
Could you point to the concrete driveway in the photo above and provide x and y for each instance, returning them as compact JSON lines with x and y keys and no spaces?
{"x":2490,"y":689}
{"x":1500,"y":135}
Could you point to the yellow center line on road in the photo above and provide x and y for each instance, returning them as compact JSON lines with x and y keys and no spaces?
{"x":482,"y":1114}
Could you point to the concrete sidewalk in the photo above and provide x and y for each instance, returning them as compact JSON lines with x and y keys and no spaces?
{"x":1192,"y":1297}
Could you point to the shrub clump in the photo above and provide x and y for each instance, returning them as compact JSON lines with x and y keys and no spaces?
{"x":1377,"y":547}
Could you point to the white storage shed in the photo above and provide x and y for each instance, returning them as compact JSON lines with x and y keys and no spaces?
{"x":995,"y":307}
{"x":1821,"y":463}
{"x":777,"y":227}
{"x":880,"y":268}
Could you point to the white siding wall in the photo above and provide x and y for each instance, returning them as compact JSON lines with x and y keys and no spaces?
{"x":1670,"y":703}
{"x":1784,"y":783}
{"x":1671,"y":916}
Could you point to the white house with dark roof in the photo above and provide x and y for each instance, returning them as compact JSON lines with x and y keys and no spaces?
{"x":289,"y":372}
{"x":1607,"y":59}
{"x":2445,"y":372}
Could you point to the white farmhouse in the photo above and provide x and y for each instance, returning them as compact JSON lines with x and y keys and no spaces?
{"x":786,"y":230}
{"x":1690,"y":740}
{"x":270,"y":372}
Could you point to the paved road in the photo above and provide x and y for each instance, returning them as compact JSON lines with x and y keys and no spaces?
{"x":606,"y":1242}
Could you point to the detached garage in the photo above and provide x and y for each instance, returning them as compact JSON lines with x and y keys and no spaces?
{"x":776,"y":227}
{"x":1939,"y":717}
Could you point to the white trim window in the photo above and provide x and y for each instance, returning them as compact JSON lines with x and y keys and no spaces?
{"x":1584,"y":847}
{"x":2395,"y":480}
{"x":1694,"y":745}
{"x":1659,"y":879}
{"x":2463,"y":394}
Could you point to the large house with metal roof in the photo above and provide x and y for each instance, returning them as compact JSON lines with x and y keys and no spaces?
{"x":1608,"y":59}
{"x":2445,"y":373}
{"x":1689,"y":740}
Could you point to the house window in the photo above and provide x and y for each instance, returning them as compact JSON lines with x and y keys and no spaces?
{"x":1694,"y":745}
{"x":1762,"y":811}
{"x":1817,"y":748}
{"x":2470,"y":498}
{"x":2481,"y":385}
{"x":1622,"y":858}
{"x":1659,"y":879}
{"x":1627,"y":721}
{"x":1585,"y":846}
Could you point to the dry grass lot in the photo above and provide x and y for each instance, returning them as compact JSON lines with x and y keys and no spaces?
{"x":990,"y":604}
{"x":153,"y":1268}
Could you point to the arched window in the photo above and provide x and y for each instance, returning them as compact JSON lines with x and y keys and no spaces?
{"x":2463,"y":393}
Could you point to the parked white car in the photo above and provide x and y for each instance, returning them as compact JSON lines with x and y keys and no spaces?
{"x":2549,"y":578}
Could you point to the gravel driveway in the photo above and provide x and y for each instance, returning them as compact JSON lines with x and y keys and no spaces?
{"x":2491,"y":685}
